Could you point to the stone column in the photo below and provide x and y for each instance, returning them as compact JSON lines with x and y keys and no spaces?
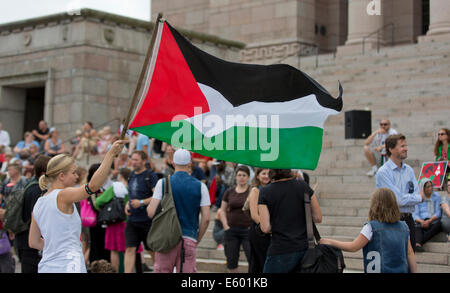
{"x":306,"y":18}
{"x":361,"y":23}
{"x":49,"y":97}
{"x":439,"y":17}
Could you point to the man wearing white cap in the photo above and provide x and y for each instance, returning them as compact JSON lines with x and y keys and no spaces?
{"x":191,"y":197}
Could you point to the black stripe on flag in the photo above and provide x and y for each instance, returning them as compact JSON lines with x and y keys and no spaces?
{"x":243,"y":83}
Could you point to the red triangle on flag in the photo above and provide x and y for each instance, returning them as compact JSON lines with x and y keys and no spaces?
{"x":173,"y":89}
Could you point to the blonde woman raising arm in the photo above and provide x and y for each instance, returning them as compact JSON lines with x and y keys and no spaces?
{"x":56,"y":225}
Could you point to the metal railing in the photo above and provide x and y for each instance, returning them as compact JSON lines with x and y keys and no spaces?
{"x":379,"y":36}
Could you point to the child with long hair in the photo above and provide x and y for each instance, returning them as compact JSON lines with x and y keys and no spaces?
{"x":384,"y":239}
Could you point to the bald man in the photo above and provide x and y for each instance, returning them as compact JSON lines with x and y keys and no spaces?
{"x":374,"y":146}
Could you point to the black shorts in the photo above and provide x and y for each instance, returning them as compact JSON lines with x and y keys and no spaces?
{"x":135,"y":233}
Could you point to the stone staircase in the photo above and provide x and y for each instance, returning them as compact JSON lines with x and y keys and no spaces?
{"x":410,"y":85}
{"x":209,"y":259}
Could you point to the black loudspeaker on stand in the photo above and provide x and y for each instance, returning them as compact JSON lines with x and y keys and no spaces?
{"x":358,"y":124}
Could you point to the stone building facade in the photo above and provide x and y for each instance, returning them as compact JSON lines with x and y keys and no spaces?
{"x":68,"y":69}
{"x":276,"y":29}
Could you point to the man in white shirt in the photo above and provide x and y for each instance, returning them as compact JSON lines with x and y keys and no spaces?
{"x":374,"y":147}
{"x":4,"y":137}
{"x":191,"y":198}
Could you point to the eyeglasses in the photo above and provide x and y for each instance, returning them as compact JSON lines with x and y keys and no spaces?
{"x":384,"y":124}
{"x":442,"y":133}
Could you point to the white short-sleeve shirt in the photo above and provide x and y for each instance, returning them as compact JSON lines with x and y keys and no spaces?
{"x":205,"y":201}
{"x":366,"y":231}
{"x":380,"y":138}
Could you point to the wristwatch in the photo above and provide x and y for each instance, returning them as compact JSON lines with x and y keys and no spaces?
{"x":141,"y":202}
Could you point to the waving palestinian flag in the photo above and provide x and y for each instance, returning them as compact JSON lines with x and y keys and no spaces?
{"x":266,"y":116}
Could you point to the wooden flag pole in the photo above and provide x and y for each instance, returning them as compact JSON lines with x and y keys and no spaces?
{"x":141,"y":77}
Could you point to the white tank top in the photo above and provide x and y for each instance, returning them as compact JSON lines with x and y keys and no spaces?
{"x":61,"y":232}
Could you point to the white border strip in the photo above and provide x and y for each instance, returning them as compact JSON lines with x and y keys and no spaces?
{"x":150,"y":69}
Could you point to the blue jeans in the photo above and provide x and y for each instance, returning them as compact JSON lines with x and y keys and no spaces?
{"x":283,"y":263}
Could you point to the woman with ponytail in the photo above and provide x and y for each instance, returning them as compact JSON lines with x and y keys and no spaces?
{"x":56,"y":225}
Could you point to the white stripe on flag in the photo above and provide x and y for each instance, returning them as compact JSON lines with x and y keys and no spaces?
{"x":300,"y":112}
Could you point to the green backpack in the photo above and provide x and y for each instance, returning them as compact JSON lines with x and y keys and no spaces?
{"x":14,"y":206}
{"x":165,"y":232}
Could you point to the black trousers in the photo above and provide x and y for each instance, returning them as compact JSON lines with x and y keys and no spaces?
{"x":234,"y":237}
{"x":29,"y":259}
{"x":407,"y":217}
{"x":97,"y":248}
{"x":258,"y":250}
{"x":425,"y":234}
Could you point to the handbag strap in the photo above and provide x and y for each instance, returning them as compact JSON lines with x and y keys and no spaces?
{"x":311,"y":228}
{"x":167,"y":189}
{"x":169,"y":186}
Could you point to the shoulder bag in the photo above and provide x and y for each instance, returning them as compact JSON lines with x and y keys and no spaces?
{"x":319,"y":258}
{"x":165,"y":232}
{"x":112,"y":212}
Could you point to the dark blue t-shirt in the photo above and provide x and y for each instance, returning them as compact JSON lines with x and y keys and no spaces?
{"x":198,"y":173}
{"x":139,"y":188}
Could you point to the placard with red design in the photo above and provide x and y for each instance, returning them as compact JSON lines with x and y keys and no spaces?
{"x":435,"y":171}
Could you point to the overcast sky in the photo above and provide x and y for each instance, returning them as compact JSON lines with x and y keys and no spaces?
{"x":14,"y":10}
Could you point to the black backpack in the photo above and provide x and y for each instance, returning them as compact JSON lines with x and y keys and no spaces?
{"x":14,"y":208}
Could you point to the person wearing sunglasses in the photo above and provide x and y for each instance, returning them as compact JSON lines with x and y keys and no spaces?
{"x":441,"y":147}
{"x":374,"y":147}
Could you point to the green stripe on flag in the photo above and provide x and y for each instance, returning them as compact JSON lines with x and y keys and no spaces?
{"x":284,"y":148}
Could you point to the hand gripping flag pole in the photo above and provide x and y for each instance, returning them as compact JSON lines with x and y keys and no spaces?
{"x":148,"y":56}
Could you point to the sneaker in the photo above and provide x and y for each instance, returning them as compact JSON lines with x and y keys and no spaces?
{"x":220,"y":247}
{"x":372,"y":172}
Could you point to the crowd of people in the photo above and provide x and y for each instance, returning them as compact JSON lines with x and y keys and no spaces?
{"x":422,"y":209}
{"x":256,"y":209}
